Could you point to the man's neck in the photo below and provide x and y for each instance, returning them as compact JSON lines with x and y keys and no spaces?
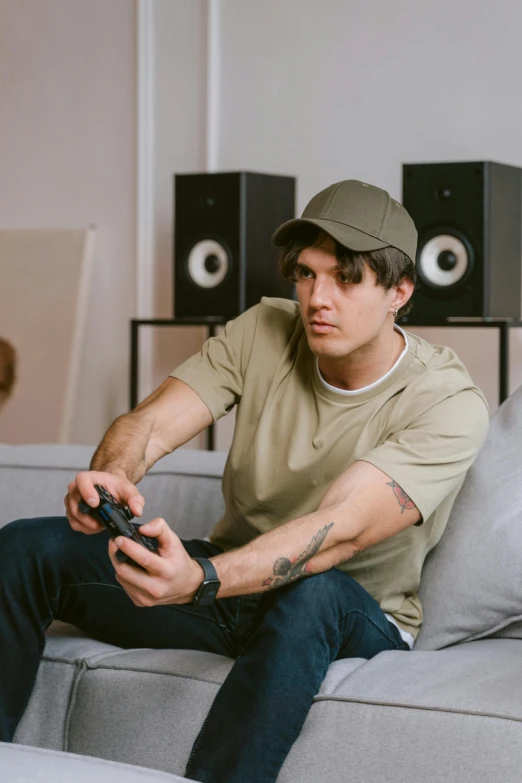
{"x":364,"y":366}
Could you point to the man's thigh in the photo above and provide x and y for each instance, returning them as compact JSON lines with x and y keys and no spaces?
{"x":87,"y":595}
{"x":366,"y":631}
{"x":331,"y":606}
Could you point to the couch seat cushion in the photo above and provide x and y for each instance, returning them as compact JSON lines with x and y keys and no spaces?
{"x":450,"y":715}
{"x":147,"y":706}
{"x":23,"y":764}
{"x":481,"y":678}
{"x":45,"y":719}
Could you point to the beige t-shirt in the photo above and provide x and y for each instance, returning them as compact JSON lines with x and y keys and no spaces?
{"x":422,"y":425}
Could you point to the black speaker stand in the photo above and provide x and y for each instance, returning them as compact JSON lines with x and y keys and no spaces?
{"x":210,"y":323}
{"x":502,"y":324}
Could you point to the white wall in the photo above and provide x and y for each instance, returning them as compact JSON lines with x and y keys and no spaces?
{"x":68,"y":160}
{"x":179,"y":147}
{"x":180,"y":94}
{"x":323,"y":92}
{"x":337,"y":90}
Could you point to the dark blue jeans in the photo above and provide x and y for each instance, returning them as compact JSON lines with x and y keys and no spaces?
{"x":283,"y":640}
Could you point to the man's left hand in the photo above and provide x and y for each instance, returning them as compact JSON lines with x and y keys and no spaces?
{"x":170,"y":577}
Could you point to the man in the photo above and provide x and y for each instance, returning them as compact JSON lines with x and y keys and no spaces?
{"x":352,"y":440}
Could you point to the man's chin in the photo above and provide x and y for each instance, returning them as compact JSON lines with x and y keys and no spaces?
{"x":324,"y":345}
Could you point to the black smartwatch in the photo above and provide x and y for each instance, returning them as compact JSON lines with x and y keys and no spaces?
{"x":208,"y":589}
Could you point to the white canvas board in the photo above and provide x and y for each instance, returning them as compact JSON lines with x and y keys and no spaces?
{"x":44,"y":286}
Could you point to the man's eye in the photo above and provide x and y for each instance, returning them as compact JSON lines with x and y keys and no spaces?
{"x":303,"y":272}
{"x":343,"y":277}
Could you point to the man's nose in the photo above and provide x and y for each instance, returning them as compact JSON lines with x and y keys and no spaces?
{"x":321,"y":295}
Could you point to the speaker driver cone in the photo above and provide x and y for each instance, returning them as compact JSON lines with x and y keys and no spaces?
{"x":444,"y":261}
{"x":208,"y":263}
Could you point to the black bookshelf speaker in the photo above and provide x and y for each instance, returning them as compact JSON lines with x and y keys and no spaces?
{"x":469,"y":258}
{"x":224,"y":261}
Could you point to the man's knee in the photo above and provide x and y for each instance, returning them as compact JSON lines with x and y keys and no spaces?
{"x":25,"y":538}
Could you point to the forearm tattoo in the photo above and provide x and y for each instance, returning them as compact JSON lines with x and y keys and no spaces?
{"x":405,"y":502}
{"x":286,"y":570}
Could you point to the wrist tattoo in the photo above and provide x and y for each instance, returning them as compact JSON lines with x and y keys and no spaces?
{"x":286,"y":570}
{"x":405,"y":502}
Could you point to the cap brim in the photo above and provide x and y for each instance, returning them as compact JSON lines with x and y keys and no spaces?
{"x":349,"y":237}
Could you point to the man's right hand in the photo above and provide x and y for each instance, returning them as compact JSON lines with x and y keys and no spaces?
{"x":83,"y":487}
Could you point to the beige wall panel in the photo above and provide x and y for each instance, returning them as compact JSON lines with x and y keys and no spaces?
{"x":68,"y":160}
{"x":43,"y":293}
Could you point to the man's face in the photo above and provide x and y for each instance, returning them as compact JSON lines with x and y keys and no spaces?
{"x":339,"y":317}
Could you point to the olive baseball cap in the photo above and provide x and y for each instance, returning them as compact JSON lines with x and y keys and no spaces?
{"x":359,"y":216}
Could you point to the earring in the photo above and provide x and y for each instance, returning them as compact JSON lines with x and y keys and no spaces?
{"x":395,"y":313}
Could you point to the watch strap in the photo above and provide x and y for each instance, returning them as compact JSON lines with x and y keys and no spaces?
{"x":208,"y":568}
{"x":207,"y":591}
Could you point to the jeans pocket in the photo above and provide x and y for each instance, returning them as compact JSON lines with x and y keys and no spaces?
{"x":247,"y":615}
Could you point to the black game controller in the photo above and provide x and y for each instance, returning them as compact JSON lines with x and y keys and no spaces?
{"x":117,"y":520}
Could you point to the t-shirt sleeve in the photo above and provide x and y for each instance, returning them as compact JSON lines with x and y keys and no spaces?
{"x":430,"y":457}
{"x":216,"y":373}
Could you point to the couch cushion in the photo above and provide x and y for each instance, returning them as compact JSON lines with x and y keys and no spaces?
{"x":184,"y":487}
{"x":470,"y":585}
{"x":22,"y":764}
{"x":96,"y":699}
{"x":44,"y":722}
{"x":147,"y":706}
{"x":362,"y":742}
{"x":480,"y":678}
{"x":450,"y":715}
{"x":141,"y":710}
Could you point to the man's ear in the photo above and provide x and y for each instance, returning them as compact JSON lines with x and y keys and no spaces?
{"x":403,"y":292}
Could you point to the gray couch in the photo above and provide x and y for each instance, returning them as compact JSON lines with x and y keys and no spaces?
{"x":451,"y":710}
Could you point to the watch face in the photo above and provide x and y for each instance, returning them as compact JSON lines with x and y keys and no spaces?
{"x":206,"y":594}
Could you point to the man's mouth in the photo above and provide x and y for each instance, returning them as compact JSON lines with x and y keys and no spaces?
{"x":321,"y":327}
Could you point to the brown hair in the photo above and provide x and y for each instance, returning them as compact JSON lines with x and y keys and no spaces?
{"x":389,"y":264}
{"x":7,"y":368}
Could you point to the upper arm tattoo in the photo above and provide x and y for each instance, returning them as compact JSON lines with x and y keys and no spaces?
{"x":286,"y":571}
{"x":405,"y":502}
